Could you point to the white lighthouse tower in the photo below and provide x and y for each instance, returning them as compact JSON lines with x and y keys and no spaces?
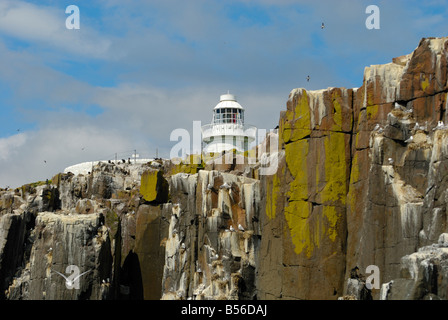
{"x":227,"y":130}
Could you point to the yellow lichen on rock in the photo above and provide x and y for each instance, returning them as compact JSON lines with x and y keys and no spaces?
{"x":309,"y":225}
{"x":296,"y":124}
{"x":334,"y":193}
{"x":297,"y":215}
{"x":425,"y":84}
{"x":191,"y":165}
{"x":296,"y":156}
{"x":272,"y":195}
{"x":304,"y":234}
{"x":335,"y":169}
{"x":148,"y":188}
{"x":372,"y":111}
{"x":153,"y":186}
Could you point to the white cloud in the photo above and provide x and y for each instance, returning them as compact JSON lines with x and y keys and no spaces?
{"x":168,"y":64}
{"x":41,"y":154}
{"x":46,"y":26}
{"x":10,"y":145}
{"x":135,"y":117}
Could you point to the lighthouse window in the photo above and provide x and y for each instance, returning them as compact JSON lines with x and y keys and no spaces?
{"x":229,"y":115}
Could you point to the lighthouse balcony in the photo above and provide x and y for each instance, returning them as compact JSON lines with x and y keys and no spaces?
{"x":210,"y":131}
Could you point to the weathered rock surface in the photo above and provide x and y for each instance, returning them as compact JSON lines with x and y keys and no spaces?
{"x":137,"y":233}
{"x":423,"y":274}
{"x":360,"y":179}
{"x":352,"y":188}
{"x":213,"y":237}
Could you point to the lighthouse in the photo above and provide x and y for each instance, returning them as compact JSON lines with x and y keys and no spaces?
{"x":227,"y":130}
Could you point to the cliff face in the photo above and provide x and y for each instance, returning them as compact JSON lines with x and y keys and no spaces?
{"x":140,"y":234}
{"x":353,"y":189}
{"x":361,"y":181}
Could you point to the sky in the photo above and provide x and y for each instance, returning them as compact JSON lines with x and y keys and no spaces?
{"x":136,"y":70}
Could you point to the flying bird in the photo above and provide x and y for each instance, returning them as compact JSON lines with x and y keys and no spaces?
{"x":308,"y":78}
{"x":322,"y":26}
{"x":69,"y":282}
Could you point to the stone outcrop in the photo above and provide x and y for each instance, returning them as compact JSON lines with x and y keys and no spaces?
{"x":353,"y":188}
{"x":305,"y":200}
{"x":423,"y":274}
{"x":213,"y":237}
{"x":139,"y":234}
{"x":359,"y":180}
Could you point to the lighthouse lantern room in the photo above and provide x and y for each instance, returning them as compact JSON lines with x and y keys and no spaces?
{"x":227,"y":130}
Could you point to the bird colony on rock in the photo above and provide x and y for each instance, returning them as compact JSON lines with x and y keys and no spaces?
{"x":361,"y":181}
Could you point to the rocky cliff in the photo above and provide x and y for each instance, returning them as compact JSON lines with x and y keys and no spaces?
{"x":139,"y":231}
{"x":360,"y":181}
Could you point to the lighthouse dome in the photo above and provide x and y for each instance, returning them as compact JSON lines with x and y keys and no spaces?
{"x":228,"y":101}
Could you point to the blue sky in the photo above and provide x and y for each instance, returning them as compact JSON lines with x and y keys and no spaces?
{"x":136,"y":70}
